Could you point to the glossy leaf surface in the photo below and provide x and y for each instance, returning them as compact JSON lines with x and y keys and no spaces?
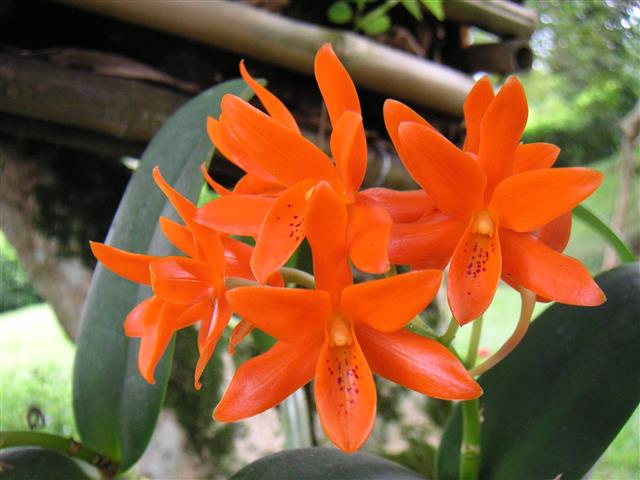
{"x":556,"y":403}
{"x":115,"y":409}
{"x":27,"y":463}
{"x":315,"y":463}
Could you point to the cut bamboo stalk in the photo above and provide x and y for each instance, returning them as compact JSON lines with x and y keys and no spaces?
{"x":505,"y":19}
{"x":504,"y":57}
{"x":292,"y":44}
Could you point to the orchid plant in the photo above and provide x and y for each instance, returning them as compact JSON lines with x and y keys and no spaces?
{"x":495,"y":209}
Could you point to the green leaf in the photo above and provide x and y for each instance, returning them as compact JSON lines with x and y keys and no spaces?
{"x":314,"y":463}
{"x":435,"y":7}
{"x":615,"y":239}
{"x":115,"y":409}
{"x":554,"y":405}
{"x":28,"y":463}
{"x":413,"y":7}
{"x":376,"y":25}
{"x":339,"y":12}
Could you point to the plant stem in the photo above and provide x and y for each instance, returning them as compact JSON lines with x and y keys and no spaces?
{"x":293,"y":275}
{"x":470,"y":448}
{"x":450,"y":334}
{"x":295,"y":418}
{"x":474,"y":343}
{"x":67,"y":446}
{"x":526,"y":311}
{"x":235,"y":282}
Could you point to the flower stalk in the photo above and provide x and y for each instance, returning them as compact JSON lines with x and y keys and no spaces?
{"x":470,"y":448}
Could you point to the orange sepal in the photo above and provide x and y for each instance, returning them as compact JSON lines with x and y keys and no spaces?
{"x":556,"y":234}
{"x":345,"y":395}
{"x":209,"y":334}
{"x":532,"y":156}
{"x":241,"y":330}
{"x":337,"y":89}
{"x":132,"y":266}
{"x":403,"y":206}
{"x":368,"y":231}
{"x":539,"y":268}
{"x":282,"y":231}
{"x":219,"y":189}
{"x":475,"y":105}
{"x":389,"y":304}
{"x":433,"y":237}
{"x":264,"y":381}
{"x":286,"y":155}
{"x":179,"y":235}
{"x":271,"y":103}
{"x":529,"y":200}
{"x":134,"y":323}
{"x":287,"y":314}
{"x":184,"y":207}
{"x":237,"y":214}
{"x":473,"y":275}
{"x":394,"y":114}
{"x":156,"y":336}
{"x":181,"y":280}
{"x":452,"y":178}
{"x":349,"y":150}
{"x":417,"y":363}
{"x":500,"y":130}
{"x":251,"y":184}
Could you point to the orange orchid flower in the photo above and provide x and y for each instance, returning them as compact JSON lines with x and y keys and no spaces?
{"x":502,"y":211}
{"x":338,"y":334}
{"x":186,"y":290}
{"x":283,"y":168}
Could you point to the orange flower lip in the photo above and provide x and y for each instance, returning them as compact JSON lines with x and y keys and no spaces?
{"x":483,"y":223}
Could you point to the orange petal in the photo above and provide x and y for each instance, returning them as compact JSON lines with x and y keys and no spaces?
{"x":539,"y":268}
{"x":327,"y":233}
{"x":179,"y":235}
{"x":434,"y":237}
{"x":134,"y":323}
{"x":181,"y":280}
{"x":241,"y":330}
{"x":368,"y":231}
{"x":198,"y":312}
{"x":475,"y":105}
{"x":345,"y":395}
{"x":264,"y":381}
{"x":227,"y":143}
{"x":500,"y":131}
{"x":452,"y":178}
{"x":132,"y":266}
{"x":390,"y":303}
{"x":256,"y":185}
{"x":184,"y":207}
{"x":270,"y":102}
{"x":556,"y":233}
{"x":219,"y":189}
{"x":237,"y":257}
{"x":473,"y":275}
{"x":418,"y":363}
{"x":406,"y":206}
{"x":286,"y":155}
{"x":235,"y":214}
{"x":532,"y":156}
{"x":208,"y":336}
{"x":529,"y":200}
{"x":282,"y":231}
{"x":288,"y":314}
{"x":156,"y":337}
{"x":337,"y":89}
{"x":349,"y":150}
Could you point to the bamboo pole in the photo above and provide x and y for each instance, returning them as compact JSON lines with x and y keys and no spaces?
{"x":506,"y":19}
{"x":504,"y":57}
{"x":292,"y":44}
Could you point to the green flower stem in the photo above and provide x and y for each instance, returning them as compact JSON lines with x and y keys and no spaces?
{"x":67,"y":446}
{"x":235,"y":282}
{"x":293,"y":275}
{"x":526,"y":312}
{"x":474,"y":343}
{"x":450,"y":334}
{"x":470,"y":448}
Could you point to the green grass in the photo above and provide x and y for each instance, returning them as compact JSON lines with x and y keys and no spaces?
{"x":36,"y":361}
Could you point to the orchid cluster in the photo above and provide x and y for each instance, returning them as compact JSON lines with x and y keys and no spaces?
{"x":493,"y":210}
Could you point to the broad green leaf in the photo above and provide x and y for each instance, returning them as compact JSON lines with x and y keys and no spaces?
{"x":413,"y":7}
{"x":29,"y":463}
{"x":376,"y":25}
{"x":115,"y":409}
{"x":554,"y":405}
{"x":615,"y":239}
{"x":339,"y":12}
{"x":314,"y":463}
{"x":435,"y":7}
